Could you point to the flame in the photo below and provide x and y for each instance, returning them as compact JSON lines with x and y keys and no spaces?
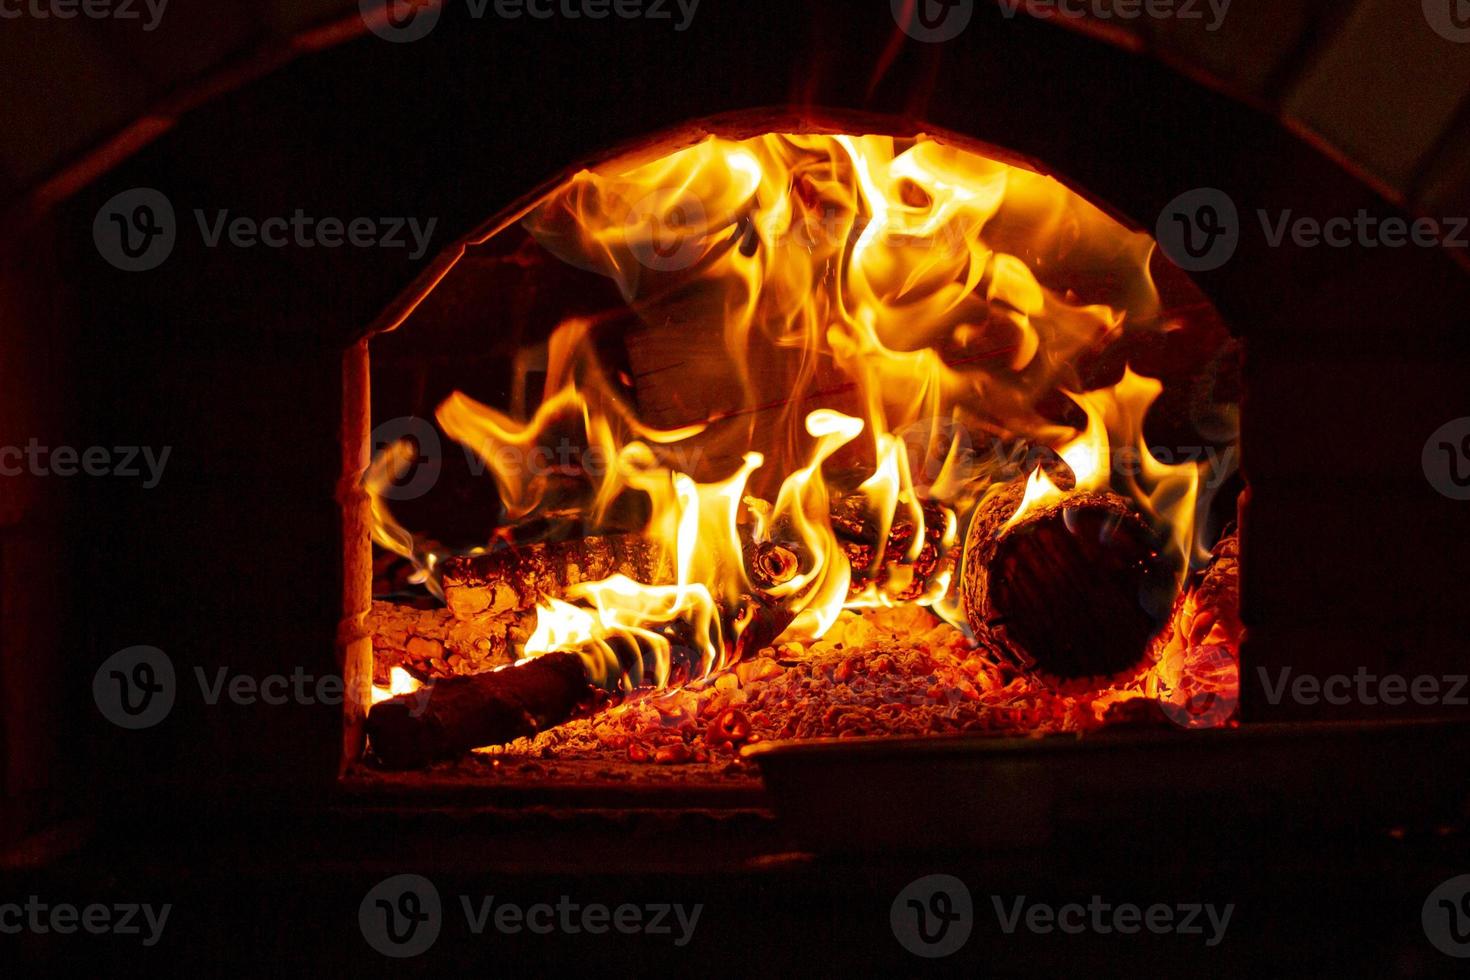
{"x":878,"y":305}
{"x":1166,"y":494}
{"x":400,"y":681}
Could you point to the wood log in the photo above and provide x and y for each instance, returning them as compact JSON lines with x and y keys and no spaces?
{"x":506,"y":584}
{"x":901,"y":580}
{"x":512,"y":580}
{"x":433,"y":643}
{"x":450,"y":716}
{"x":1076,"y":588}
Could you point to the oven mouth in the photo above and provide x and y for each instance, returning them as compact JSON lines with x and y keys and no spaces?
{"x":752,"y":496}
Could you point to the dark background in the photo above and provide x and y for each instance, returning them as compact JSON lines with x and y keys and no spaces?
{"x":233,"y":358}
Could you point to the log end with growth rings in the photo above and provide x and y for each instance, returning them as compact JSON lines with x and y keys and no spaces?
{"x":1076,"y":588}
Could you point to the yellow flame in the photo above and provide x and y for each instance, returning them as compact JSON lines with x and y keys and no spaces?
{"x":400,"y":681}
{"x":1165,"y":493}
{"x":873,"y":306}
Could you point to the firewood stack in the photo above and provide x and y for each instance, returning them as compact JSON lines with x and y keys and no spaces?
{"x":495,"y":594}
{"x":1068,"y":591}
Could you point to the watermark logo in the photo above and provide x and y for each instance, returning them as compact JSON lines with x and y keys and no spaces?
{"x":400,"y":21}
{"x":64,"y":461}
{"x":1198,"y":705}
{"x":1446,"y":917}
{"x":135,"y":230}
{"x":933,"y":21}
{"x":401,"y":916}
{"x":1446,"y":459}
{"x":1199,"y":230}
{"x":1125,"y":918}
{"x":932,"y":916}
{"x":1449,"y":18}
{"x":666,"y":235}
{"x":97,"y":919}
{"x":417,"y":463}
{"x":135,"y":688}
{"x":123,"y":10}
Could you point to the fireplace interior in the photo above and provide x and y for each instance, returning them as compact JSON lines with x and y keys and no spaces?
{"x":790,"y":467}
{"x":765,"y":386}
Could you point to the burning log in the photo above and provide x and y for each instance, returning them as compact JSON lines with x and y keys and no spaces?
{"x":507,"y":584}
{"x":433,"y":643}
{"x":512,"y":580}
{"x":452,"y":715}
{"x":1075,"y":588}
{"x":900,"y":580}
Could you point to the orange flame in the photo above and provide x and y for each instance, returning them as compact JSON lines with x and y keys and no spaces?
{"x":878,"y":303}
{"x":1166,"y":494}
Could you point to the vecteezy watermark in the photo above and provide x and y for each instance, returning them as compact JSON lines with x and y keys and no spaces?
{"x":936,"y":21}
{"x":1446,"y":459}
{"x":933,"y":21}
{"x":65,"y":918}
{"x":421,"y":461}
{"x":1364,"y":687}
{"x":120,"y":461}
{"x":665,"y":235}
{"x":1102,"y":918}
{"x":1195,"y":704}
{"x":1367,"y":230}
{"x":1008,"y":460}
{"x":932,"y":916}
{"x":137,"y":687}
{"x":402,"y":916}
{"x":124,"y":10}
{"x":136,"y":230}
{"x":416,"y":462}
{"x":1122,"y":10}
{"x":1449,"y":18}
{"x":1446,"y":917}
{"x":1201,"y":229}
{"x":402,"y":21}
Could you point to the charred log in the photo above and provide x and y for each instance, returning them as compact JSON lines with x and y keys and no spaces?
{"x":450,"y":716}
{"x":1076,"y":588}
{"x":901,"y":579}
{"x":433,"y":643}
{"x":511,"y":580}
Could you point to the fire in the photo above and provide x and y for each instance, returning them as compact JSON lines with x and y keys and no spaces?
{"x":400,"y":681}
{"x":1167,"y":493}
{"x":881,"y":303}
